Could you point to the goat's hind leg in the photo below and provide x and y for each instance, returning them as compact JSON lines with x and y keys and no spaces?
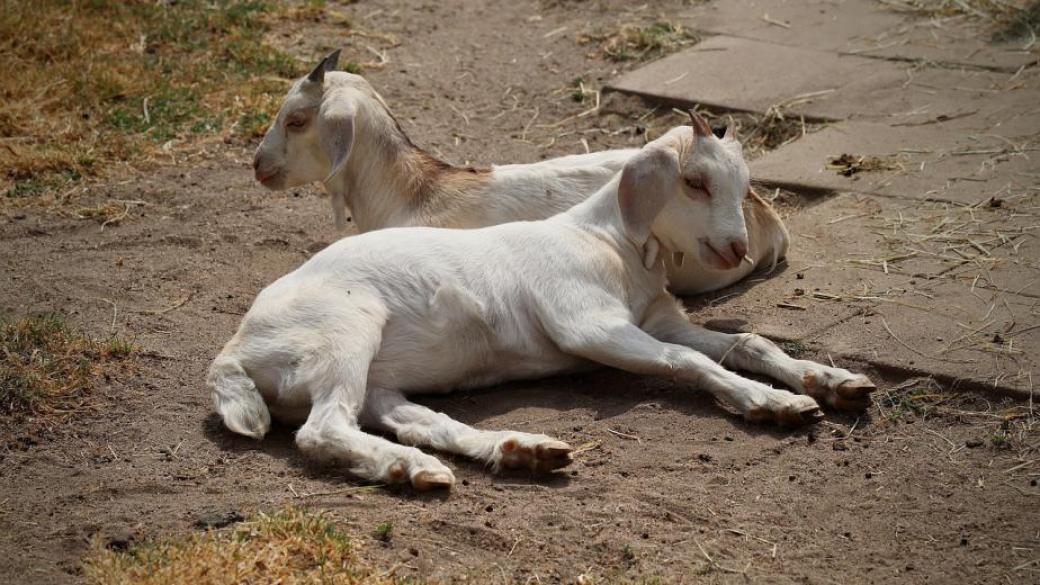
{"x":836,"y":387}
{"x":414,"y":424}
{"x":336,"y":380}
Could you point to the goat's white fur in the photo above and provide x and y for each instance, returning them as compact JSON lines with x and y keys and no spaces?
{"x":338,"y":343}
{"x":351,"y":142}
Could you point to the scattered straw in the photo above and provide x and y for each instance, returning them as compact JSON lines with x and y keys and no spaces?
{"x":632,"y":42}
{"x":848,"y":165}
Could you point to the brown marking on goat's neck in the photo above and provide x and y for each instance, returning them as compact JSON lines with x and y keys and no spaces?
{"x":431,"y":183}
{"x":444,"y":179}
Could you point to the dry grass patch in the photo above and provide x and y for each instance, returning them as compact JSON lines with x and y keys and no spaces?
{"x":48,"y":369}
{"x":633,"y":42}
{"x":291,"y":546}
{"x":88,"y":85}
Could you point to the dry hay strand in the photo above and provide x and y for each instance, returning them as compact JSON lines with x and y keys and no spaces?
{"x":772,"y":129}
{"x":958,"y":234}
{"x":1004,"y":19}
{"x":1005,"y":425}
{"x":290,"y":546}
{"x":634,"y":42}
{"x":620,"y":114}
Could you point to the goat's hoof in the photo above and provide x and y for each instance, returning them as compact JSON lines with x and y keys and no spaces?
{"x":856,"y":389}
{"x":425,"y":481}
{"x":544,"y":457}
{"x":553,"y":455}
{"x":799,"y":416}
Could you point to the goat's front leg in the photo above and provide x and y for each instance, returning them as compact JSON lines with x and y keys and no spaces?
{"x":613,"y":341}
{"x":414,"y":424}
{"x":836,"y":387}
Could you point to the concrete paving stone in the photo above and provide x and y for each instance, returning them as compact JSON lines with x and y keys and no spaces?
{"x":986,"y":338}
{"x":730,"y":73}
{"x":846,"y":307}
{"x":927,"y":162}
{"x":814,"y":24}
{"x":863,"y":27}
{"x":740,"y":74}
{"x":797,"y":301}
{"x":951,"y":41}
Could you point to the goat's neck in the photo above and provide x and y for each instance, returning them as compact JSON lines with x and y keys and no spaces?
{"x":388,"y":181}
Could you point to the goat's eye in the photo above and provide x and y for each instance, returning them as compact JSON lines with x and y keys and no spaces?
{"x":695,"y":183}
{"x":296,"y":123}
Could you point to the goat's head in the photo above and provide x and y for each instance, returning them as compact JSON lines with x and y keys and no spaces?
{"x":311,"y":137}
{"x":688,"y":187}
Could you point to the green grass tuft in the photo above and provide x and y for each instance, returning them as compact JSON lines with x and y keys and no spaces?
{"x":93,"y":82}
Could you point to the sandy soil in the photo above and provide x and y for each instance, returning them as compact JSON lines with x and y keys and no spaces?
{"x":696,"y":496}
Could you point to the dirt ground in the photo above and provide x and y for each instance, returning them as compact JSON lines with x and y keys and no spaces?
{"x":931,"y":486}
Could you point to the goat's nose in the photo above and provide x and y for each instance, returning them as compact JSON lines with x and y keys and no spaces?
{"x":739,"y":249}
{"x":256,"y":161}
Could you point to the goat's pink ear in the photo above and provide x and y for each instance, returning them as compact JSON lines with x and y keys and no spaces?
{"x":647,"y":181}
{"x":336,"y":132}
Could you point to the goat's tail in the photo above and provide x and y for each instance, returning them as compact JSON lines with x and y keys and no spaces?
{"x":236,"y":398}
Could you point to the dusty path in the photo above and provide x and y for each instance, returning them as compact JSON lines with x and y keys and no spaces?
{"x":668,"y":484}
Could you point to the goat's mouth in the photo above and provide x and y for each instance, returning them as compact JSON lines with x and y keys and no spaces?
{"x":714,"y":258}
{"x":272,"y":178}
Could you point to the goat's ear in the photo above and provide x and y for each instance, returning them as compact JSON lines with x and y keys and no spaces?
{"x":647,"y":181}
{"x":327,"y":64}
{"x":336,"y":132}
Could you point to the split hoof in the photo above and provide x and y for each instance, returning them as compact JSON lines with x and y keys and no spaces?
{"x":543,"y":457}
{"x":553,"y":455}
{"x":800,"y":417}
{"x":858,"y":388}
{"x":425,"y":481}
{"x":792,"y":416}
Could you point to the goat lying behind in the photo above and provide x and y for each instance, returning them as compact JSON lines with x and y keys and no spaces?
{"x":339,"y":343}
{"x":334,"y":127}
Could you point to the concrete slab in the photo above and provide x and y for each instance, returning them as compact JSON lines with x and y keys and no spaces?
{"x":863,"y":27}
{"x":836,"y":296}
{"x":984,"y":339}
{"x":823,"y":25}
{"x":732,"y":73}
{"x":953,"y":42}
{"x":929,"y":162}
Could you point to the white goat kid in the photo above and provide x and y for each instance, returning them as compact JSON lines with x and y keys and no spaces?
{"x":334,"y":128}
{"x":340,"y":342}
